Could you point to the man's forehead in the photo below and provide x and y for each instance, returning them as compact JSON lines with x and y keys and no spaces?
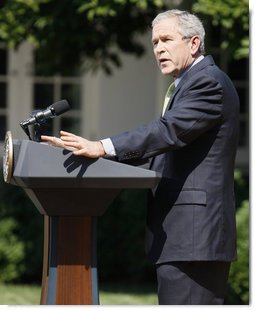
{"x":166,"y":26}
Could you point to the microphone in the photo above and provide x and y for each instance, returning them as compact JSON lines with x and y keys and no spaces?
{"x":52,"y":111}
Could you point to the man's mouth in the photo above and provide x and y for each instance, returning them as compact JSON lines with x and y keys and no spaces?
{"x":163,"y":60}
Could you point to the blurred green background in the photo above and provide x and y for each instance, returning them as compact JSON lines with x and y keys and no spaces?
{"x":121,"y":229}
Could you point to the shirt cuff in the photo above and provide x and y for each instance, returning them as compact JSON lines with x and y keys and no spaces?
{"x":108,"y":147}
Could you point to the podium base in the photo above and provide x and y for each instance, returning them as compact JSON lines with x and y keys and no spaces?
{"x":69,"y":263}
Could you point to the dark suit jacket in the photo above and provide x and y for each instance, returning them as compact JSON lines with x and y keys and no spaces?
{"x":191,"y":214}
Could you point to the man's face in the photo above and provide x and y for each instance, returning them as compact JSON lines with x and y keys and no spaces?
{"x":172,"y":52}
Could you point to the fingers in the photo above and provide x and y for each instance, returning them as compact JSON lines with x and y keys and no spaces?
{"x":47,"y":138}
{"x":76,"y":144}
{"x":68,"y":138}
{"x":72,"y":144}
{"x":65,"y":133}
{"x":52,"y":140}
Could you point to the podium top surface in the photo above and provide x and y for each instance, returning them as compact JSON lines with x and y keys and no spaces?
{"x":41,"y":165}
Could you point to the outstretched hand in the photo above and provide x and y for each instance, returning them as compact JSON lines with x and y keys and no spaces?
{"x":77,"y":144}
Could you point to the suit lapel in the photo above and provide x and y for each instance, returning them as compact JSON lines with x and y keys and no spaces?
{"x":207,"y":61}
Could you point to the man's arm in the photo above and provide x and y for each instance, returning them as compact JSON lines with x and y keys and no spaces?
{"x":195,"y":111}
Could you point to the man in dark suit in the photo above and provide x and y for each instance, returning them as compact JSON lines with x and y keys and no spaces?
{"x":191,"y":231}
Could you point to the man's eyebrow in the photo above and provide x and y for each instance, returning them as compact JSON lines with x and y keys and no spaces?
{"x":162,"y":37}
{"x":166,"y":36}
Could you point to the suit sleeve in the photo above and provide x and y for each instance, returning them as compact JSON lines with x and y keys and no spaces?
{"x":196,"y":110}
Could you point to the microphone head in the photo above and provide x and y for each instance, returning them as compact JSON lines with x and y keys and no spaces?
{"x":60,"y":107}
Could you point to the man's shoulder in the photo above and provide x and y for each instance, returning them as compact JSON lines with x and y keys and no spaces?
{"x":204,"y":70}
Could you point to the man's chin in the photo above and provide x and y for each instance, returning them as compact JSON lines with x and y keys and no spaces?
{"x":166,"y":71}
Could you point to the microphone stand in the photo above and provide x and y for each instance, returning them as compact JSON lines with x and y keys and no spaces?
{"x":38,"y":131}
{"x":26,"y":130}
{"x":35,"y":131}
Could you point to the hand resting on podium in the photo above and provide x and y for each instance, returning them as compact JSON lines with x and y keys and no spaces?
{"x":78,"y":145}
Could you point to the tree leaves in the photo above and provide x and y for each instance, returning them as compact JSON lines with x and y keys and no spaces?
{"x":233,"y":16}
{"x":70,"y":32}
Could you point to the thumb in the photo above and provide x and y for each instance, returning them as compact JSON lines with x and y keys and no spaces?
{"x":79,"y":152}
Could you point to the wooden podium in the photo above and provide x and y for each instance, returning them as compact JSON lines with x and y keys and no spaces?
{"x":70,"y":192}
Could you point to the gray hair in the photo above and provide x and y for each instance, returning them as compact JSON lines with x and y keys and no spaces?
{"x":188,"y":24}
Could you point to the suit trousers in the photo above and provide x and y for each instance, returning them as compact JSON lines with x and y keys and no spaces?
{"x":192,"y":283}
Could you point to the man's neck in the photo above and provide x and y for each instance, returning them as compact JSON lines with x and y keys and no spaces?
{"x":195,"y":61}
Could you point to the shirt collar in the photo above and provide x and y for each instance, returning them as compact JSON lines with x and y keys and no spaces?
{"x":178,"y":80}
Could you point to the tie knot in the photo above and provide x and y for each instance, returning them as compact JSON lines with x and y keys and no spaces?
{"x":171,"y":89}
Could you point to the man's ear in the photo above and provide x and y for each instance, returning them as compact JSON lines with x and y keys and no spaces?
{"x":195,"y":44}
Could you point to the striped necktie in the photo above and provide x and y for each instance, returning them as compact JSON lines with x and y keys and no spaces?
{"x":167,"y":97}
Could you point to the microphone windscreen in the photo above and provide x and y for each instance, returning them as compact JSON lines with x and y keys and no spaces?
{"x":60,"y":107}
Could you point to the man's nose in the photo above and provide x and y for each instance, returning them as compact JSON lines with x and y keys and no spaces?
{"x":160,"y":47}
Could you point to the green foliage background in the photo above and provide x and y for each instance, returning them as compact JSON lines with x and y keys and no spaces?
{"x":21,"y":236}
{"x":70,"y":33}
{"x":92,"y":33}
{"x":239,"y":275}
{"x":233,"y":16}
